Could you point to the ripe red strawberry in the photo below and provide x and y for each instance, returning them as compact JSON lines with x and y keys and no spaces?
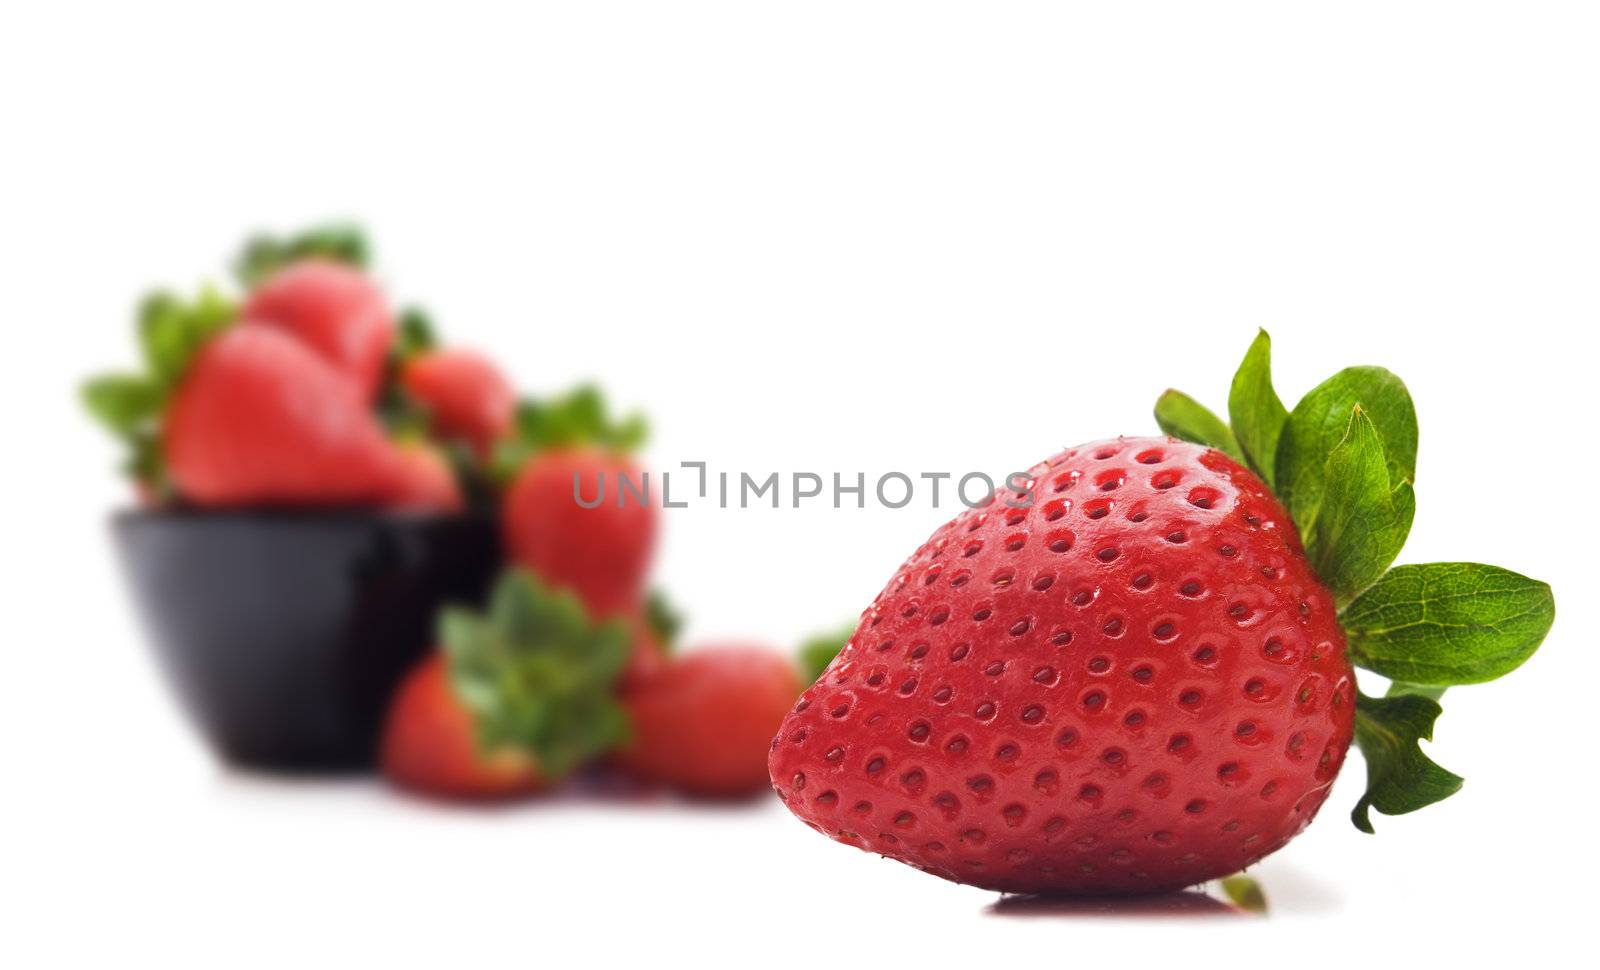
{"x":1136,"y":684}
{"x":1132,"y":670}
{"x":467,"y":397}
{"x":702,"y":722}
{"x":336,"y":310}
{"x":520,"y":696}
{"x":259,"y":419}
{"x":424,"y":481}
{"x":601,"y":553}
{"x":430,"y":744}
{"x":566,"y":454}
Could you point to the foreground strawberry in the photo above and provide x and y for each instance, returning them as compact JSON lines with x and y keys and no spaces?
{"x":1133,"y":671}
{"x":702,"y":722}
{"x":259,"y":419}
{"x":520,"y":696}
{"x":567,"y":454}
{"x":333,"y":308}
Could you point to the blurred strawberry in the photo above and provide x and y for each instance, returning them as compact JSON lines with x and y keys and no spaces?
{"x":259,"y":419}
{"x":131,"y":404}
{"x":703,"y":722}
{"x":521,"y":696}
{"x":564,"y":449}
{"x":334,"y":309}
{"x":466,"y":396}
{"x":424,"y":480}
{"x":430,"y":744}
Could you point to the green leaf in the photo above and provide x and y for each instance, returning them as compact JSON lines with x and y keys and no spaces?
{"x":663,"y":618}
{"x":172,"y":330}
{"x":1448,"y":623}
{"x":124,"y":403}
{"x":1254,"y":409}
{"x":577,"y":419}
{"x":1186,"y":419}
{"x":538,"y":674}
{"x":416,"y":334}
{"x":1319,"y":422}
{"x":1400,"y":778}
{"x":817,"y":652}
{"x":1363,"y":522}
{"x":264,"y":254}
{"x":1400,"y":688}
{"x":1245,"y":892}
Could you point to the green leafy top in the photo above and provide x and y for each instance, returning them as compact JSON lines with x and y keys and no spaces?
{"x":1343,"y":461}
{"x":130,"y":404}
{"x":265,"y":254}
{"x":538,"y":674}
{"x":664,"y":619}
{"x":817,"y":652}
{"x":578,"y":418}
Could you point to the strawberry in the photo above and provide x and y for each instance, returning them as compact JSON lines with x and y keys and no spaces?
{"x":1131,"y":669}
{"x":466,"y":396}
{"x":259,"y":419}
{"x":334,"y":309}
{"x":572,"y":451}
{"x":519,"y":697}
{"x":702,"y":722}
{"x":424,"y":480}
{"x":430,"y":744}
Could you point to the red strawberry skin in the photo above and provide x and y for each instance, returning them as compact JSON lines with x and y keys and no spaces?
{"x":702,"y":722}
{"x":260,"y":419}
{"x":423,"y":481}
{"x":602,"y":554}
{"x":334,"y":309}
{"x":466,"y":395}
{"x":1135,"y":685}
{"x":429,"y":745}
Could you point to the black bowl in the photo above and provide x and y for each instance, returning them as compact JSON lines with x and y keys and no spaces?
{"x":285,"y":633}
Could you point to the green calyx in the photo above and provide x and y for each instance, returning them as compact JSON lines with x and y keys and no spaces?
{"x":1342,"y":461}
{"x":664,"y":619}
{"x":538,"y":674}
{"x":576,"y":419}
{"x":130,"y":404}
{"x":264,"y":254}
{"x":817,"y":652}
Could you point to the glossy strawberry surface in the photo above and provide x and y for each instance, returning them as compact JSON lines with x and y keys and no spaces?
{"x":260,"y":419}
{"x":1134,"y":683}
{"x":336,"y":310}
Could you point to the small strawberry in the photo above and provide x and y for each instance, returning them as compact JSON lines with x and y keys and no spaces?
{"x":520,"y":696}
{"x":430,"y":744}
{"x":466,"y":396}
{"x":702,"y":722}
{"x":333,"y":308}
{"x":574,"y":455}
{"x":259,"y":419}
{"x":1131,"y":670}
{"x":424,"y":480}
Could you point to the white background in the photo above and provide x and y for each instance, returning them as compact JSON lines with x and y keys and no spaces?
{"x":823,"y":236}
